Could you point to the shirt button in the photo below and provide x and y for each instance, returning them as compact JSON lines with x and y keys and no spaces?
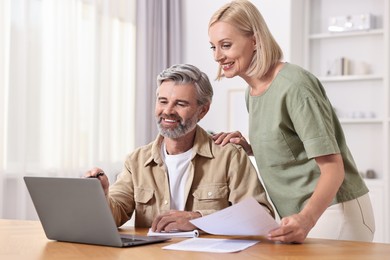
{"x":209,"y":193}
{"x":165,"y":202}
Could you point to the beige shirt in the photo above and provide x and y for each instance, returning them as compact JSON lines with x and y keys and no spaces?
{"x":219,"y":177}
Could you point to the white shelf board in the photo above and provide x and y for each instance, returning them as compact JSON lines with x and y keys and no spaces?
{"x":350,"y":78}
{"x":360,"y":120}
{"x":329,"y":35}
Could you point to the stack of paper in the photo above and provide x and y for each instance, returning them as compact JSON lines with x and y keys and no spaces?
{"x":212,"y":245}
{"x":246,"y":218}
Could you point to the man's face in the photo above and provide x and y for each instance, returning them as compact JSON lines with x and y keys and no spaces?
{"x":177,"y":111}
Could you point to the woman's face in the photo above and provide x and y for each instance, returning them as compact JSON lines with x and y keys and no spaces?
{"x":232,"y":49}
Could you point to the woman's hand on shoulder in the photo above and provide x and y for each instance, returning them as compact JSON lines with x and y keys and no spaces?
{"x":234,"y":138}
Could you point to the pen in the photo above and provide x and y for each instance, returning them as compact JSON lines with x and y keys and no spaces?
{"x":97,"y":175}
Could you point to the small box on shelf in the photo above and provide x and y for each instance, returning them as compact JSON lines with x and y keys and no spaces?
{"x":344,"y":66}
{"x":338,"y":67}
{"x":348,"y":23}
{"x":368,"y":174}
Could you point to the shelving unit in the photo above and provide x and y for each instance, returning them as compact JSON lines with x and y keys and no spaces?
{"x":361,"y":95}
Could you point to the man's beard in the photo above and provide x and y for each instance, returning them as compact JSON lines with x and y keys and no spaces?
{"x":182,"y":129}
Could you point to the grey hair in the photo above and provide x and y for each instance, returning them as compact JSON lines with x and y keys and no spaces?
{"x":189,"y":74}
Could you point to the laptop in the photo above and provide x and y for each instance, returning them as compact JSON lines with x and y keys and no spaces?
{"x":76,"y":210}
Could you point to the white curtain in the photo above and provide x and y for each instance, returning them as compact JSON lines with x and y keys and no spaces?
{"x":159,"y":46}
{"x":67,"y":88}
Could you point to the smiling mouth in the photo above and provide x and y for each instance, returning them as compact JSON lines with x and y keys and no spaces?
{"x":227,"y":66}
{"x":169,"y":120}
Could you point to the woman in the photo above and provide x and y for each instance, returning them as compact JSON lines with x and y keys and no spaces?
{"x":294,"y":134}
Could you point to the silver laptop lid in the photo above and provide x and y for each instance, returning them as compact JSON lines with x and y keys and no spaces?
{"x":73,"y":210}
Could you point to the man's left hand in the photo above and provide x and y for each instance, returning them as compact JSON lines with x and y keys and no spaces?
{"x":174,"y":220}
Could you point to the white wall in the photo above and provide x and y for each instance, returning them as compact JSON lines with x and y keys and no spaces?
{"x":197,"y":13}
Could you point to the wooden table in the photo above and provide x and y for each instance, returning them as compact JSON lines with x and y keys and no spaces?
{"x":26,"y":240}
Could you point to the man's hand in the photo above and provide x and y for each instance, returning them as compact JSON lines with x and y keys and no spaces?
{"x":174,"y":220}
{"x":99,"y":174}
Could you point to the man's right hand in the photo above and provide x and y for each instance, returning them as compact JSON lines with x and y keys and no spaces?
{"x":99,"y":174}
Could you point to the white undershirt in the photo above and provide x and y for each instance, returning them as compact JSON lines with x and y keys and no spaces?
{"x":178,"y":169}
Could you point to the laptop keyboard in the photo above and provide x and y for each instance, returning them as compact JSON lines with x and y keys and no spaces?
{"x":129,"y":240}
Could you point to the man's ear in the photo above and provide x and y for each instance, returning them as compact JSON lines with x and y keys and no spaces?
{"x":203,"y":111}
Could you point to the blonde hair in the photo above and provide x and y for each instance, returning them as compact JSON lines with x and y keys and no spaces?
{"x":246,"y":18}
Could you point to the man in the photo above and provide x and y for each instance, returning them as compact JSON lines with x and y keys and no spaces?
{"x":182,"y":175}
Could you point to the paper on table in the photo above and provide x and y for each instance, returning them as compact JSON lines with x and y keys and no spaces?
{"x":193,"y":233}
{"x":212,"y":245}
{"x":246,"y":218}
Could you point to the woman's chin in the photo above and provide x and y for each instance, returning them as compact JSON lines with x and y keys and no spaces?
{"x":229,"y":75}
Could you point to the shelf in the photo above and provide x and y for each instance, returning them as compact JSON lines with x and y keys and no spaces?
{"x":350,"y":78}
{"x":329,"y":35}
{"x":358,"y":94}
{"x":360,"y":121}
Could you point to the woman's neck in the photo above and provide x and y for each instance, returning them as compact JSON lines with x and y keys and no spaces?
{"x":259,"y":85}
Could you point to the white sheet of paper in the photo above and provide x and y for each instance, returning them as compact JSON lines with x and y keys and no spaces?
{"x":246,"y":218}
{"x":193,"y":233}
{"x":213,"y":245}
